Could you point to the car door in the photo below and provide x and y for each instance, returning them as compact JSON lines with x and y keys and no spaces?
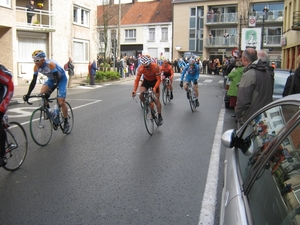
{"x":269,"y":166}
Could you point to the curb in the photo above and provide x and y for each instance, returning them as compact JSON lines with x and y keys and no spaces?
{"x":19,"y":99}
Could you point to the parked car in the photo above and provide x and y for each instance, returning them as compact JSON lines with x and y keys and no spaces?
{"x":262,"y":167}
{"x":279,"y":83}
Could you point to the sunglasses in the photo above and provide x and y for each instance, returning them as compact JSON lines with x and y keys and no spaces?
{"x":36,"y":60}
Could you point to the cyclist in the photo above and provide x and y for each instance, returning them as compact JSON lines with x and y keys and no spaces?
{"x":6,"y":93}
{"x":167,"y":71}
{"x":192,"y":70}
{"x":151,"y":73}
{"x":56,"y":79}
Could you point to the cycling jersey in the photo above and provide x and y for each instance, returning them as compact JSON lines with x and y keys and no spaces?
{"x":191,"y":72}
{"x":6,"y":88}
{"x":150,"y":73}
{"x":167,"y":70}
{"x":48,"y":68}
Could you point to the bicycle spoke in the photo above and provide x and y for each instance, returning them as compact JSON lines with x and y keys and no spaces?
{"x":40,"y":127}
{"x":16,"y":146}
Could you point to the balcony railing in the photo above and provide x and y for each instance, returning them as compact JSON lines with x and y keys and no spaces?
{"x":222,"y":18}
{"x":270,"y":16}
{"x":272,"y":40}
{"x":220,"y":41}
{"x":43,"y":20}
{"x":296,"y":20}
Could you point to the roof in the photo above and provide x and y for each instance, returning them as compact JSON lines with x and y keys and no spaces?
{"x":137,"y":13}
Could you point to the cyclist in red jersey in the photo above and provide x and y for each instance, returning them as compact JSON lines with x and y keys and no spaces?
{"x":6,"y":93}
{"x":151,"y":73}
{"x":167,"y":71}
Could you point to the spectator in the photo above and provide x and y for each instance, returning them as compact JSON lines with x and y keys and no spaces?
{"x":263,"y":56}
{"x":30,"y":9}
{"x":234,"y":76}
{"x":70,"y":71}
{"x":255,"y":88}
{"x":93,"y":69}
{"x":273,"y":65}
{"x":292,"y":85}
{"x":205,"y":64}
{"x":176,"y":67}
{"x":211,"y":39}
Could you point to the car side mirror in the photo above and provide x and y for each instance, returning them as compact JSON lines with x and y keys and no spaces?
{"x":228,"y":138}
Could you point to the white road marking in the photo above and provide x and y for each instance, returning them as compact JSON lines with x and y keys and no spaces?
{"x":208,"y":207}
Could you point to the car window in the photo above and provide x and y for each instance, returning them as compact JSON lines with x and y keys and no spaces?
{"x":280,"y":80}
{"x":274,"y":197}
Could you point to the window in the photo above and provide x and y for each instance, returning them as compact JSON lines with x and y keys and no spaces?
{"x":6,"y":3}
{"x":27,"y":42}
{"x":81,"y":50}
{"x":164,"y":34}
{"x":151,"y":34}
{"x":193,"y":11}
{"x":81,"y":16}
{"x":130,"y":35}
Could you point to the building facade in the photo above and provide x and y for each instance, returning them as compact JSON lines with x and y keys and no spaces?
{"x":291,"y":32}
{"x":213,"y":29}
{"x":145,"y":27}
{"x":60,"y":28}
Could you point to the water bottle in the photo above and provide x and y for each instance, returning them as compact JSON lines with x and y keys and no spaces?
{"x":55,"y":113}
{"x":55,"y":110}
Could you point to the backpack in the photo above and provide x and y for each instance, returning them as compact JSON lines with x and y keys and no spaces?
{"x":66,"y":66}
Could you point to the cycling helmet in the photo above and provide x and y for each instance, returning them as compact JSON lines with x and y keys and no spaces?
{"x":191,"y":61}
{"x":38,"y":54}
{"x":145,"y":60}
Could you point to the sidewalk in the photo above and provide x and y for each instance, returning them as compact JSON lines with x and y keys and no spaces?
{"x":22,"y":88}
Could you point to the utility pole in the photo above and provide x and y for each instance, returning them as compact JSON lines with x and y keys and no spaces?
{"x":119,"y":31}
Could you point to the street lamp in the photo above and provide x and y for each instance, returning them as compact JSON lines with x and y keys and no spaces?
{"x":265,"y":15}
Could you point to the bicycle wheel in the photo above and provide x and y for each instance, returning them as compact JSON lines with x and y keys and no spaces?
{"x":40,"y":127}
{"x":70,"y":118}
{"x":148,"y":119}
{"x":142,"y":104}
{"x":165,"y":95}
{"x":192,"y":101}
{"x":16,"y":146}
{"x":155,"y":115}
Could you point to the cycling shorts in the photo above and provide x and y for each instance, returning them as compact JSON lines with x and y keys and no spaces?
{"x":62,"y":86}
{"x":148,"y":84}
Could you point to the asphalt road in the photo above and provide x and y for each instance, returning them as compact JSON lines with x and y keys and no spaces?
{"x":109,"y":170}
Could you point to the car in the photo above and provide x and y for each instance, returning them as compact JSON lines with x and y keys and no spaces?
{"x":262,"y":167}
{"x":279,"y":83}
{"x":280,"y":80}
{"x":190,"y":54}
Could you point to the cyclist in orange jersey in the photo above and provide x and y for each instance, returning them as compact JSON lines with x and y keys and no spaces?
{"x":151,"y":73}
{"x":167,"y":71}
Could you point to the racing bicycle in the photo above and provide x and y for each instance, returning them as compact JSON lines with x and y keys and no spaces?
{"x":43,"y":121}
{"x":150,"y":111}
{"x":192,"y":96}
{"x":166,"y":91}
{"x":16,"y":144}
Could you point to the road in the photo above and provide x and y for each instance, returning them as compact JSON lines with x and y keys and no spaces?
{"x":110,"y":171}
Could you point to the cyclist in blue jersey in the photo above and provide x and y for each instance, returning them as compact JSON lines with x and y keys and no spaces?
{"x":56,"y":79}
{"x":191,"y":73}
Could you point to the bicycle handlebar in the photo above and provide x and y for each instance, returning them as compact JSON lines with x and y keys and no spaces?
{"x":44,"y":96}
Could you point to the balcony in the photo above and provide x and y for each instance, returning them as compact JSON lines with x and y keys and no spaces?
{"x":272,"y":40}
{"x":296,"y":20}
{"x":220,"y":41}
{"x":270,"y":16}
{"x":42,"y":21}
{"x":229,"y":18}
